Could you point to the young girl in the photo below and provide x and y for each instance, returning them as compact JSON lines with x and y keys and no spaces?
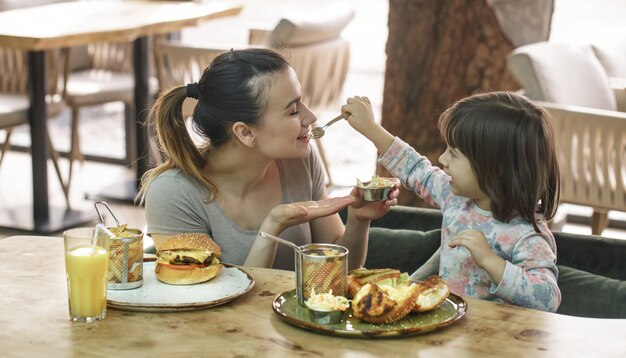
{"x":253,"y":170}
{"x":498,"y":185}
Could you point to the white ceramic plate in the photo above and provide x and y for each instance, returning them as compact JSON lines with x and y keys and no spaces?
{"x":155,"y":296}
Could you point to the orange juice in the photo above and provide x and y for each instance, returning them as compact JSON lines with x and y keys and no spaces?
{"x":87,"y":282}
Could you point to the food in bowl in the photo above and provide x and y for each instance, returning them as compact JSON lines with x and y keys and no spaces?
{"x":188,"y":258}
{"x":376,"y":183}
{"x":377,"y":189}
{"x":326,"y":308}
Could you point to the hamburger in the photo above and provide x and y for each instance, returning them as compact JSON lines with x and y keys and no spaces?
{"x":186,"y":259}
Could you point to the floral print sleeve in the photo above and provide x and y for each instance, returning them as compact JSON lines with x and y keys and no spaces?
{"x":416,"y":173}
{"x":529,"y":279}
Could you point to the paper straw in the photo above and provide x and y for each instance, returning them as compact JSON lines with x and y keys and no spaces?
{"x":94,"y":239}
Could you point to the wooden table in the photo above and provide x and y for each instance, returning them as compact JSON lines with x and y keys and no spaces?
{"x":34,"y":321}
{"x":40,"y":28}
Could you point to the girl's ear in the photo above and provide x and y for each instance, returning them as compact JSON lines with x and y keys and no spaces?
{"x":244,"y":134}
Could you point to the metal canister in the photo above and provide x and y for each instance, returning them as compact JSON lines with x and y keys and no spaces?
{"x":125,"y":254}
{"x":125,"y":260}
{"x":321,"y":268}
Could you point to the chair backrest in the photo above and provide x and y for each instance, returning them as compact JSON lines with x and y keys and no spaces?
{"x":14,"y":76}
{"x":315,"y":49}
{"x":610,"y":49}
{"x":562,"y":73}
{"x":591,"y":148}
{"x":178,"y":64}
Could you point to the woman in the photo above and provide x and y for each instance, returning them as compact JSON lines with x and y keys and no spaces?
{"x":254,"y":170}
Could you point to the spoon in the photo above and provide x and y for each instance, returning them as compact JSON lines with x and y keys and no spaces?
{"x":280,"y":241}
{"x":318,"y":132}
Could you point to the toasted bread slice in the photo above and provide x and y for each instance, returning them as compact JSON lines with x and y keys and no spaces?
{"x":376,"y":304}
{"x":362,"y":276}
{"x":432,"y":292}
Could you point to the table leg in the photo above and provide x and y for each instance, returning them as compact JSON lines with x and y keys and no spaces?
{"x":38,"y":134}
{"x":142,"y":91}
{"x":38,"y":217}
{"x":126,"y":191}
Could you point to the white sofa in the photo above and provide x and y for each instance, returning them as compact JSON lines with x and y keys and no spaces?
{"x":571,"y":82}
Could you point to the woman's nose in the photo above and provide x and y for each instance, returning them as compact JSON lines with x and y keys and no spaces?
{"x":309,"y":117}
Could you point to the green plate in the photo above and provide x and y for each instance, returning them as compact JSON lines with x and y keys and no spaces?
{"x":453,"y":308}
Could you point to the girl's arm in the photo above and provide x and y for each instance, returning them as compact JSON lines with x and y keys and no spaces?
{"x":414,"y":170}
{"x":530,"y":278}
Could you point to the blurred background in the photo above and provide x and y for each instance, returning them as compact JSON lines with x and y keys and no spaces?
{"x":102,"y":127}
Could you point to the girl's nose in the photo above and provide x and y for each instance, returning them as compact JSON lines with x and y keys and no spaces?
{"x":442,"y":159}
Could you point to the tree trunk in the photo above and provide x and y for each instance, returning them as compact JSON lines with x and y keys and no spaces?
{"x":438,"y":52}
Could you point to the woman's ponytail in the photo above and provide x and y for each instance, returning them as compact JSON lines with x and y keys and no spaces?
{"x":174,"y":142}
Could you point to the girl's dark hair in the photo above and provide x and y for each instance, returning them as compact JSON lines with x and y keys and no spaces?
{"x":232,"y":89}
{"x":511,"y":147}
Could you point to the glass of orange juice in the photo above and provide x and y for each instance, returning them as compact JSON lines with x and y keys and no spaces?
{"x":86,"y":260}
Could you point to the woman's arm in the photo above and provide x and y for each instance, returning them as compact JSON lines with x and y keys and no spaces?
{"x":283,"y":216}
{"x":354,"y":235}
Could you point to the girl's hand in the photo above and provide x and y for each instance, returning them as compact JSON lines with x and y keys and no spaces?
{"x":286,"y":215}
{"x":366,"y":210}
{"x":477,"y":244}
{"x":359,"y":114}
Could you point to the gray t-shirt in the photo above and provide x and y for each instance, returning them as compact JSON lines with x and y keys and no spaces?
{"x":176,"y":203}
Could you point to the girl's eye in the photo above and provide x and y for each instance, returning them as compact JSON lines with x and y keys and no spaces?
{"x":452,"y":152}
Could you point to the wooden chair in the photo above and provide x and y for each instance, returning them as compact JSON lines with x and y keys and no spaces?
{"x":14,"y":103}
{"x":313,"y":46}
{"x":97,"y":74}
{"x":569,"y":82}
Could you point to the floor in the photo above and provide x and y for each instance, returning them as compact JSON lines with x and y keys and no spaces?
{"x":350,"y":155}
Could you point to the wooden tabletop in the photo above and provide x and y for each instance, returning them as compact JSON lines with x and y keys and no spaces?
{"x":81,"y":22}
{"x":34,"y":321}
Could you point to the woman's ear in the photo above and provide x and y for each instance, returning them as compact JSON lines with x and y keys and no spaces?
{"x":244,"y":134}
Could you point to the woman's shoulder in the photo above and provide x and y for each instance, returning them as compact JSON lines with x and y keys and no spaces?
{"x":172,"y":181}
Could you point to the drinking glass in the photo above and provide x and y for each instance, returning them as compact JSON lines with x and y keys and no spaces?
{"x":86,"y":264}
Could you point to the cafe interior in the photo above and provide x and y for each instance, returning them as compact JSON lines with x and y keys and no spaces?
{"x":71,"y":107}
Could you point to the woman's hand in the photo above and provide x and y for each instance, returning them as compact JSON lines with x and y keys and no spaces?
{"x":371,"y":210}
{"x":477,"y":244}
{"x":286,"y":215}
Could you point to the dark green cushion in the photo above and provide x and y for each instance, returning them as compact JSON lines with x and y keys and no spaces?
{"x":595,"y":254}
{"x":587,"y":295}
{"x":405,"y":250}
{"x":406,"y":217}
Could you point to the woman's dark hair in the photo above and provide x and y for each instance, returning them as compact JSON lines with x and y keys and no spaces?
{"x":232,"y":89}
{"x":511,"y":147}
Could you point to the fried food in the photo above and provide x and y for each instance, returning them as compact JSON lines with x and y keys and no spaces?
{"x":384,"y":304}
{"x":432,"y":292}
{"x":382,"y":277}
{"x":386,"y":287}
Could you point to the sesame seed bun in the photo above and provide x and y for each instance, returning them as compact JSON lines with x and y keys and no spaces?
{"x":183,"y":274}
